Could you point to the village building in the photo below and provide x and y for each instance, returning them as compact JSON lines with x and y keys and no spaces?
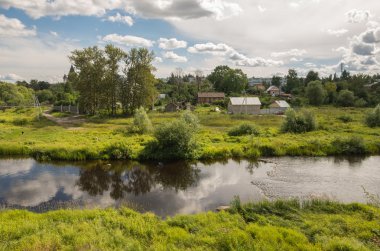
{"x":280,"y":104}
{"x":273,"y":90}
{"x":210,"y":97}
{"x":258,"y":86}
{"x":172,"y":107}
{"x":246,"y":105}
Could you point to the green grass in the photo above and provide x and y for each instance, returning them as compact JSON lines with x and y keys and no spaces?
{"x":105,"y":138}
{"x":281,"y":225}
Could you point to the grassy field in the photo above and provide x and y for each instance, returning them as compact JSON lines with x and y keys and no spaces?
{"x":108,"y":138}
{"x":281,"y":225}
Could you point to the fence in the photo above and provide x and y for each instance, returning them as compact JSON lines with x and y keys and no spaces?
{"x":66,"y":108}
{"x":273,"y":111}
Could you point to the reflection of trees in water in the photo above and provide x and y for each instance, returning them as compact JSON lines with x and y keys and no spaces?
{"x":135,"y":178}
{"x":353,"y":161}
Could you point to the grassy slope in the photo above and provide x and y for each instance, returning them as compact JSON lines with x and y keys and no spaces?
{"x":108,"y":138}
{"x":266,"y":226}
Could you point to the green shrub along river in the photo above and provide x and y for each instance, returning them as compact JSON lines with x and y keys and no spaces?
{"x":339,"y":131}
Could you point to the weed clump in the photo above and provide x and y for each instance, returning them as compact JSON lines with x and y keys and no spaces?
{"x":348,"y":146}
{"x":243,"y":129}
{"x":373,"y":118}
{"x":300,"y":122}
{"x":20,"y":121}
{"x":141,"y":122}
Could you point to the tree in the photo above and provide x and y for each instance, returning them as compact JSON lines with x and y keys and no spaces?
{"x":112,"y":78}
{"x":311,"y":76}
{"x":330,"y":88}
{"x":198,"y":78}
{"x":373,"y":118}
{"x":292,"y":81}
{"x":228,"y":80}
{"x":315,"y":92}
{"x":91,"y":64}
{"x":141,"y":121}
{"x":276,"y":81}
{"x":138,"y":89}
{"x":346,"y":98}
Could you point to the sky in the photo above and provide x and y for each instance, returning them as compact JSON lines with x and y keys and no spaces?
{"x":261,"y":37}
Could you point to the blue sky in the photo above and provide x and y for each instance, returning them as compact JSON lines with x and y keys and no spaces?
{"x":262,"y":38}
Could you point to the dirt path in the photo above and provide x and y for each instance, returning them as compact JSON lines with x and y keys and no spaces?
{"x":69,"y":121}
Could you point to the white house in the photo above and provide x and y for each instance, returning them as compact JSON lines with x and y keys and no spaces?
{"x":246,"y":105}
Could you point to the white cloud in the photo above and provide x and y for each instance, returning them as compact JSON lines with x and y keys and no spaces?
{"x":261,"y":8}
{"x":337,"y":33}
{"x":174,"y":57}
{"x":258,"y":62}
{"x":310,"y":65}
{"x":371,"y":36}
{"x":211,"y":48}
{"x":121,"y":19}
{"x":221,"y":9}
{"x":12,"y":27}
{"x":55,"y":34}
{"x":40,"y":8}
{"x":290,"y":53}
{"x":11,"y":77}
{"x":171,"y":44}
{"x":158,"y":60}
{"x":128,"y":40}
{"x":294,"y":59}
{"x":358,"y":16}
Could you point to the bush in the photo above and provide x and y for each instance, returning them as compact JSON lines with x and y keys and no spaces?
{"x":298,"y":122}
{"x":346,"y":98}
{"x":315,"y":92}
{"x":243,"y":129}
{"x":174,"y":140}
{"x":349,"y":146}
{"x":141,"y":121}
{"x":373,"y":118}
{"x":345,"y":118}
{"x":20,"y":122}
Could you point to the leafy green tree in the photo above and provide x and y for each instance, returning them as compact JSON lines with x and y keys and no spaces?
{"x":91,"y":64}
{"x":315,"y":93}
{"x":276,"y":81}
{"x":373,"y":118}
{"x":15,"y":95}
{"x":311,"y":76}
{"x":330,"y":88}
{"x":45,"y":96}
{"x":138,"y":88}
{"x":228,"y":80}
{"x":346,"y":98}
{"x":292,"y":81}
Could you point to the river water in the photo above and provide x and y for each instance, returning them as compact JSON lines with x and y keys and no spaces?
{"x":183,"y":188}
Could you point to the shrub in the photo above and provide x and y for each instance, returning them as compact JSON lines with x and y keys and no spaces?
{"x":243,"y":129}
{"x":346,"y":98}
{"x":141,"y":121}
{"x":373,"y":118}
{"x":348,"y":146}
{"x":192,"y":120}
{"x":345,"y":118}
{"x":174,"y":140}
{"x":298,"y":122}
{"x":20,"y":121}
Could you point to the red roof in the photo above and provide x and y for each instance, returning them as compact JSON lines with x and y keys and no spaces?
{"x":211,"y":95}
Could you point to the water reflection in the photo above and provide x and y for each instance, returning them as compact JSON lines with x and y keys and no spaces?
{"x":169,"y":189}
{"x":135,"y":178}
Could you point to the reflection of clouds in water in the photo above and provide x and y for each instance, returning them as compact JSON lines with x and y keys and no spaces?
{"x":15,"y":166}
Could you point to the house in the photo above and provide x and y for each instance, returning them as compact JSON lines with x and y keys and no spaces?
{"x":280,"y":105}
{"x":258,"y":86}
{"x":209,"y":97}
{"x":161,"y":96}
{"x":273,"y":90}
{"x":172,"y":107}
{"x":247,"y":105}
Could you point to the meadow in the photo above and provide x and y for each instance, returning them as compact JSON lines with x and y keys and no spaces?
{"x":280,"y":225}
{"x":340,"y":131}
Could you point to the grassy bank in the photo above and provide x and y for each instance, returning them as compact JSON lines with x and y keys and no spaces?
{"x":278,"y":225}
{"x":340,"y":131}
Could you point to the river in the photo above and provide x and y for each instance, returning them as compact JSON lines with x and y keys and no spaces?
{"x":182,"y":188}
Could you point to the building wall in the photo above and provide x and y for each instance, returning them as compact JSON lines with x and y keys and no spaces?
{"x":249,"y":109}
{"x":208,"y":100}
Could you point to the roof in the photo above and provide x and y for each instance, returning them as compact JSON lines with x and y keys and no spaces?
{"x":211,"y":95}
{"x":245,"y":101}
{"x":272,"y":87}
{"x":282,"y":103}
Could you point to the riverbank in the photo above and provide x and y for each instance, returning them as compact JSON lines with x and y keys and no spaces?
{"x":21,"y":134}
{"x":280,"y":225}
